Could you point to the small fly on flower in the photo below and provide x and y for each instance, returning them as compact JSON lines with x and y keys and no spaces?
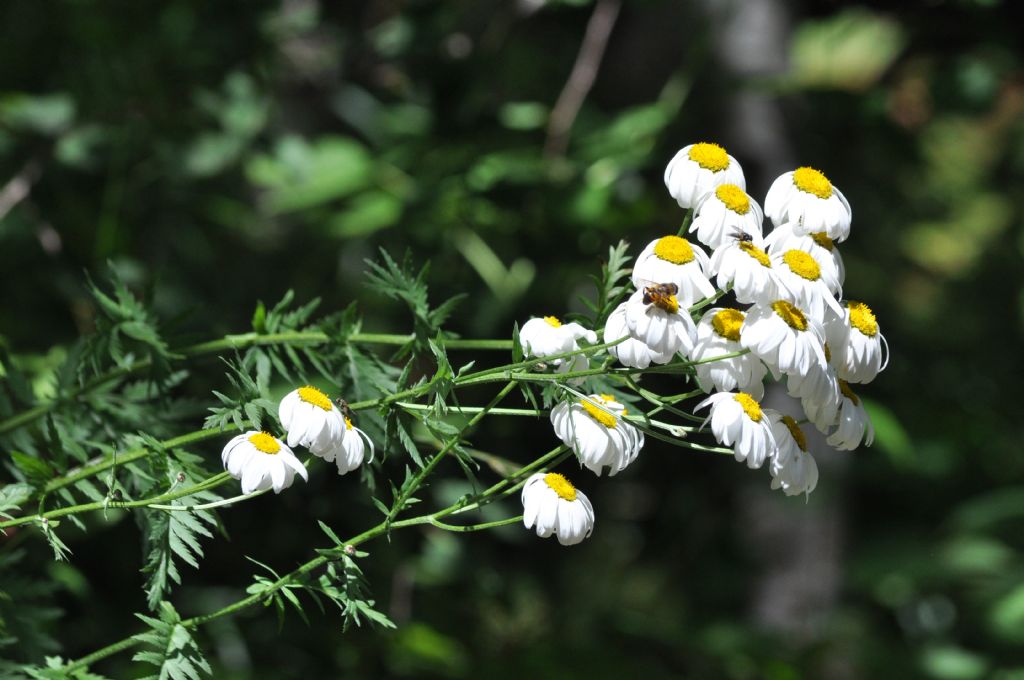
{"x":345,"y":409}
{"x":742,"y":236}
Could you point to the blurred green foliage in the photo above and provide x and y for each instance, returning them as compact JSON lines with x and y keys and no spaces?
{"x":218,"y":153}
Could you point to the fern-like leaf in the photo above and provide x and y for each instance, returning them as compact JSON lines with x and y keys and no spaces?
{"x":170,"y":647}
{"x":173,"y":536}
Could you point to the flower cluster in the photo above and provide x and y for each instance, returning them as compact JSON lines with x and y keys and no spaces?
{"x":262,"y":461}
{"x":789,"y":320}
{"x":797,"y":323}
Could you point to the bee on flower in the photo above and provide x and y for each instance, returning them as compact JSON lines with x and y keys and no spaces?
{"x":654,"y":317}
{"x":674,"y":260}
{"x":554,"y":506}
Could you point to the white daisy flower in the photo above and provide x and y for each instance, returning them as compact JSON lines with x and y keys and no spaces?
{"x":544,"y":337}
{"x":806,"y":198}
{"x":261,"y":461}
{"x":854,"y":425}
{"x":865,"y":352}
{"x":818,"y":244}
{"x":749,"y":271}
{"x":697,"y":169}
{"x":818,"y":391}
{"x":673,"y":259}
{"x":737,"y":420}
{"x":725,"y":214}
{"x":804,"y":282}
{"x":784,"y":337}
{"x":349,"y":453}
{"x":631,"y":351}
{"x":718,"y":333}
{"x":794,"y":470}
{"x":311,"y":420}
{"x":554,"y":505}
{"x":658,"y":321}
{"x":595,"y":430}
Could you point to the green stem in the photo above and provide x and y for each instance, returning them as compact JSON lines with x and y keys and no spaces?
{"x":214,"y":481}
{"x":687,"y":219}
{"x":234,"y":342}
{"x":476,"y":409}
{"x":476,"y":527}
{"x":529,"y":363}
{"x":209,"y":506}
{"x":497,"y":492}
{"x":93,"y":469}
{"x":701,"y":304}
{"x":414,"y":483}
{"x":291,"y":577}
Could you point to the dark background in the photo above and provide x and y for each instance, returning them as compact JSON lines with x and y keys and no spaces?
{"x":218,"y":153}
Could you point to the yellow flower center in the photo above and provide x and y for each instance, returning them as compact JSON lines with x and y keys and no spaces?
{"x":862,"y":318}
{"x":802,"y":264}
{"x":734,"y":198}
{"x":709,"y":156}
{"x":312,"y":395}
{"x":727,"y":323}
{"x":674,"y":249}
{"x":844,"y":387}
{"x":561,"y":486}
{"x":670,"y":304}
{"x":348,"y":424}
{"x":553,"y":321}
{"x":750,"y":406}
{"x":812,"y":181}
{"x":798,"y":435}
{"x":598,"y":413}
{"x":265,"y":442}
{"x":793,"y":317}
{"x":756,"y":253}
{"x":606,"y":397}
{"x":822,"y":239}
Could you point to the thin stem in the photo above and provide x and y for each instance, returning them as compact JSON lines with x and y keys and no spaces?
{"x":313,"y":564}
{"x":209,"y":506}
{"x":414,"y":483}
{"x":476,"y":527}
{"x":234,"y":342}
{"x":92,"y":469}
{"x":529,"y":363}
{"x":475,"y":409}
{"x":687,"y":219}
{"x":549,"y":460}
{"x":701,"y":304}
{"x":214,"y":481}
